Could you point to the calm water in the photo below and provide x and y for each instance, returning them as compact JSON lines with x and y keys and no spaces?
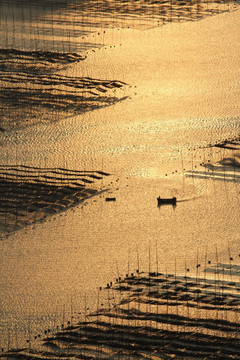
{"x":181,"y":98}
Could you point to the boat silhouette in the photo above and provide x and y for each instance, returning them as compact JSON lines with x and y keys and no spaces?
{"x":166,"y":201}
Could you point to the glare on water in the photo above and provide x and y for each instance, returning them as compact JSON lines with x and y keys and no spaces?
{"x":155,"y":135}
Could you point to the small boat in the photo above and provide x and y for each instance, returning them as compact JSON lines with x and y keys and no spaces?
{"x":162,"y":201}
{"x":110,"y":199}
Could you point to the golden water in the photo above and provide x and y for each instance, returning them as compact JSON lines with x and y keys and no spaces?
{"x":183,"y":96}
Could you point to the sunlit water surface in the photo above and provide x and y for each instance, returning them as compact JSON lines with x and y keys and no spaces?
{"x":184,"y":97}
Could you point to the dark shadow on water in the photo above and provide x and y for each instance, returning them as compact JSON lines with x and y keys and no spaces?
{"x":68,"y":19}
{"x":227,"y":169}
{"x":30,"y":194}
{"x":36,"y":92}
{"x":149,"y":315}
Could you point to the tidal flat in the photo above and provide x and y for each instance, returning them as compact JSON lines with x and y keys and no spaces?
{"x":127,"y":101}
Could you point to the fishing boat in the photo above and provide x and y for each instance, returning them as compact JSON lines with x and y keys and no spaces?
{"x":171,"y":201}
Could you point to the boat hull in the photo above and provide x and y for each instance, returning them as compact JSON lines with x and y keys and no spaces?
{"x":166,"y":201}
